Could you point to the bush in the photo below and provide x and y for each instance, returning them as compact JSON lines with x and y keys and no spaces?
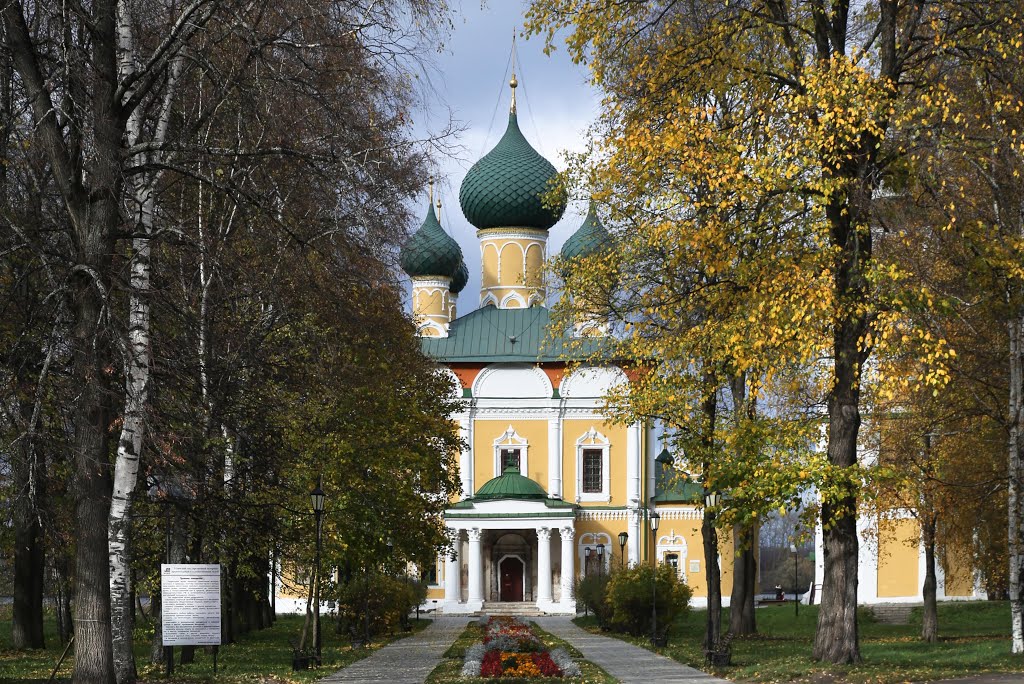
{"x":386,"y":600}
{"x":592,"y":591}
{"x":629,"y":595}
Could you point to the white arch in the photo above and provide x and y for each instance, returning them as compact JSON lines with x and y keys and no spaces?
{"x":590,"y":540}
{"x":512,"y":381}
{"x":488,"y":299}
{"x":593,"y":381}
{"x":513,"y":297}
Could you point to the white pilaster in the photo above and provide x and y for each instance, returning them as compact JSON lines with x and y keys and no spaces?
{"x":634,"y":452}
{"x":568,"y":602}
{"x":466,"y":457}
{"x":544,"y":568}
{"x":476,"y":570}
{"x":555,"y":456}
{"x":633,"y":543}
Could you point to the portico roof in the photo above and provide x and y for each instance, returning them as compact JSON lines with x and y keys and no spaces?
{"x":511,"y":495}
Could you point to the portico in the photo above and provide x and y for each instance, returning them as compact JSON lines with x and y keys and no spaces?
{"x":518,"y":543}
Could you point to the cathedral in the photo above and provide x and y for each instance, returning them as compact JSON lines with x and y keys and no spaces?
{"x":551,"y":489}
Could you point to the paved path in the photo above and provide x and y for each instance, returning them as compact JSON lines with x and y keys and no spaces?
{"x":406,"y":661}
{"x":628,"y":663}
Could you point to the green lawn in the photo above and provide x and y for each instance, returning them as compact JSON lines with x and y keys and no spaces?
{"x":258,"y":656}
{"x":450,"y":669}
{"x":974,"y":638}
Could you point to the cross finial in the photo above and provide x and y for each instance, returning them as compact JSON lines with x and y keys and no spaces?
{"x":513,"y":82}
{"x":430,"y":189}
{"x":439,"y":208}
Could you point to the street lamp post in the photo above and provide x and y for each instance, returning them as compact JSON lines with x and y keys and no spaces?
{"x":655,"y":519}
{"x":623,"y":536}
{"x":317,"y":498}
{"x":796,"y":581}
{"x":600,"y":559}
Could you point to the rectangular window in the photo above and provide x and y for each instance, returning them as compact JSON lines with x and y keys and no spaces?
{"x":593,"y":481}
{"x":509,"y":457}
{"x":429,"y":575}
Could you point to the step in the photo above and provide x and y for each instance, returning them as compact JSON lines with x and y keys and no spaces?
{"x":524,"y":608}
{"x":892,"y":613}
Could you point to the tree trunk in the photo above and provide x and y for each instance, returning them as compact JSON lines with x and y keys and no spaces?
{"x":930,"y":617}
{"x":742,"y":619}
{"x":29,"y":559}
{"x":713,"y":575}
{"x":62,"y":598}
{"x":1016,"y":557}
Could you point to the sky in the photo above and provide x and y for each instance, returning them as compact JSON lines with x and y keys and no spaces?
{"x":470,"y":76}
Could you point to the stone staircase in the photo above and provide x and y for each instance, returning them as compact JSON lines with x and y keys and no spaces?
{"x":892,"y":613}
{"x":522,"y":609}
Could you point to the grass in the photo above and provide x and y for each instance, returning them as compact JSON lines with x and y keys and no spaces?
{"x":261,"y":656}
{"x":974,"y":639}
{"x":449,"y":671}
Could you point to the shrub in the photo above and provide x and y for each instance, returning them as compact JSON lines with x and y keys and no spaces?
{"x":592,"y":592}
{"x":629,"y":596}
{"x":386,"y":599}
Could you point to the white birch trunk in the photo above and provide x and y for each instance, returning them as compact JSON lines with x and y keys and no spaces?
{"x":1016,"y":410}
{"x":137,"y":374}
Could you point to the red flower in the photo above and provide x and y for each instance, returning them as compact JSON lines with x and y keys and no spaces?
{"x":546,"y":665}
{"x":491,"y":665}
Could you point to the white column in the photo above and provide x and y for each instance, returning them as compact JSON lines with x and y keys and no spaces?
{"x":543,"y":566}
{"x":452,"y":568}
{"x":476,"y":568}
{"x":466,"y":457}
{"x":633,"y":543}
{"x":555,"y":456}
{"x":568,"y":568}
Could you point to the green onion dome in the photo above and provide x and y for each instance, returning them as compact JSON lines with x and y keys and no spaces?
{"x":431,"y":251}
{"x":511,"y":484}
{"x":592,"y":237}
{"x":460,"y":279}
{"x":505,"y":188}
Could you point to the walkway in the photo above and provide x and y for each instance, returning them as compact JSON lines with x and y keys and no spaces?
{"x":628,"y":663}
{"x":406,"y":661}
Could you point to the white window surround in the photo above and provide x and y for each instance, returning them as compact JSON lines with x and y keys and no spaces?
{"x":673,"y":543}
{"x":512,"y":297}
{"x":592,"y":439}
{"x":511,"y":438}
{"x":590,"y":540}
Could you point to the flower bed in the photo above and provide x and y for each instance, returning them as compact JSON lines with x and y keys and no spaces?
{"x":511,"y":649}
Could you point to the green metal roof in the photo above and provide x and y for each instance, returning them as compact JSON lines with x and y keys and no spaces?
{"x":505,"y":187}
{"x":491,"y":335}
{"x":592,"y":237}
{"x":680,"y":492}
{"x":511,"y":484}
{"x":431,"y":251}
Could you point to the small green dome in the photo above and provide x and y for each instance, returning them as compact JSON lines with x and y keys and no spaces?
{"x":460,"y":278}
{"x":511,"y":484}
{"x":505,"y":187}
{"x":431,"y":251}
{"x":592,"y":237}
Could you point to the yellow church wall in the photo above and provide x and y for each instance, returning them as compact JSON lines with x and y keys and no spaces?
{"x":898,"y":553}
{"x":489,"y":257}
{"x":959,"y":572}
{"x":428,"y":301}
{"x":535,"y":432}
{"x":435,"y":593}
{"x":572,"y":430}
{"x":611,"y":528}
{"x":535,"y":263}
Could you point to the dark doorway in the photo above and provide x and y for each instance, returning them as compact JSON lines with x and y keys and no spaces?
{"x":511,"y":572}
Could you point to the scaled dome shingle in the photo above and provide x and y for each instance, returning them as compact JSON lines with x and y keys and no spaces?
{"x":431,"y":251}
{"x":591,"y":238}
{"x":504,"y":189}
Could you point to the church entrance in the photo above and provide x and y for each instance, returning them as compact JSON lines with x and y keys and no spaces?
{"x":510,"y":571}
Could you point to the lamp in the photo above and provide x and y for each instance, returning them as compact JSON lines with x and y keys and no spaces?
{"x":623,"y":536}
{"x":600,"y":559}
{"x":712,"y":499}
{"x":796,"y":581}
{"x":317,"y":498}
{"x":655,"y":519}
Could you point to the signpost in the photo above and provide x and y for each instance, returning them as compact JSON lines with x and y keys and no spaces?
{"x":190,"y":605}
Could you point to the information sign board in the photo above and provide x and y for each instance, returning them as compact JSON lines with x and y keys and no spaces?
{"x":190,"y":604}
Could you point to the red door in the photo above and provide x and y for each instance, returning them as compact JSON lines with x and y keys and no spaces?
{"x":511,"y":572}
